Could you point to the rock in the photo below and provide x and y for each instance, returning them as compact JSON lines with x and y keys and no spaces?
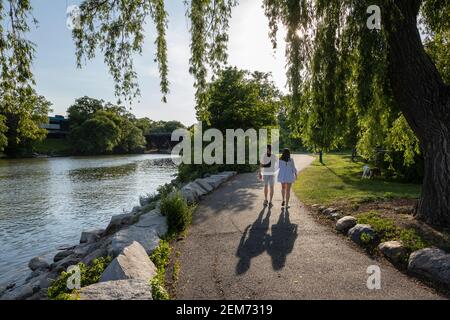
{"x":335,"y":216}
{"x":91,"y":236}
{"x":132,"y":263}
{"x":329,"y":211}
{"x":147,"y":237}
{"x":322,"y":208}
{"x":98,"y":253}
{"x":38,"y":263}
{"x":204,"y":184}
{"x":315,"y":206}
{"x":61,"y":255}
{"x":199,"y":191}
{"x":119,"y":221}
{"x":35,"y":274}
{"x":357,"y":231}
{"x":153,"y":220}
{"x":65,"y":247}
{"x":19,"y":293}
{"x":189,"y":195}
{"x":213,"y":181}
{"x":117,"y":290}
{"x":393,"y":250}
{"x":346,"y":223}
{"x":64,"y":263}
{"x":136,"y":210}
{"x":84,"y":249}
{"x":431,"y":263}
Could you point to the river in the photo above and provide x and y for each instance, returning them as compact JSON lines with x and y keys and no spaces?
{"x":45,"y":203}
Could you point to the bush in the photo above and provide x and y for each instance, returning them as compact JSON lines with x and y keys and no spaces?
{"x":89,"y":275}
{"x":178,"y":212}
{"x":190,"y":172}
{"x":160,"y":257}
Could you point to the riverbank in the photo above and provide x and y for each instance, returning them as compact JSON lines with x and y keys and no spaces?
{"x":47,"y":202}
{"x":127,"y":236}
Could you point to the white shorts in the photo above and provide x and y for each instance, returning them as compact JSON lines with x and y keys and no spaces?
{"x":269,"y":179}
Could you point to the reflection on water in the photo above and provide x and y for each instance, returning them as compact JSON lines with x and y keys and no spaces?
{"x":45,"y":203}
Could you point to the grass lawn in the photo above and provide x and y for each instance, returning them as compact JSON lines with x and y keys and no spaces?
{"x":340,"y":179}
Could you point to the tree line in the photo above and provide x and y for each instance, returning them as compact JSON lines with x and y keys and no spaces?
{"x":96,"y":127}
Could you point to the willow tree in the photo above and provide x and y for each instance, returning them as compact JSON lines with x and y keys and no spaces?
{"x":323,"y":38}
{"x":22,"y":110}
{"x":392,"y":62}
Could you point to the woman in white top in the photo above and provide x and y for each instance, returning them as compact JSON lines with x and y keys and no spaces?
{"x":287,"y":175}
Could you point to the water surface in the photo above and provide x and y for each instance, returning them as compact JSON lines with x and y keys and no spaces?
{"x":47,"y":202}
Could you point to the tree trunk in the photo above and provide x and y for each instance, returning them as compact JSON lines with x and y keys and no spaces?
{"x":425,"y":102}
{"x":321,"y":156}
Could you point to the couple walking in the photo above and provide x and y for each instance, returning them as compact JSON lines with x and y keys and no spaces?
{"x":285,"y":170}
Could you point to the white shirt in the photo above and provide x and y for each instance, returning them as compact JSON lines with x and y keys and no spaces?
{"x":272,"y":161}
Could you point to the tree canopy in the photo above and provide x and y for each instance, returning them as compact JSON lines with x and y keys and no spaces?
{"x":341,"y":74}
{"x":97,"y":127}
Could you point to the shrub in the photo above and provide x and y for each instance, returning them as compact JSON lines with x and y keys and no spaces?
{"x":160,"y":257}
{"x":178,"y":212}
{"x":89,"y":275}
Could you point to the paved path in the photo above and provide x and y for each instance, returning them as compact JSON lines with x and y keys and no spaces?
{"x":237,"y":250}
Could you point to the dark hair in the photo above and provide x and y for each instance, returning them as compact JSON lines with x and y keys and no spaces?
{"x":286,"y":155}
{"x":269,"y":149}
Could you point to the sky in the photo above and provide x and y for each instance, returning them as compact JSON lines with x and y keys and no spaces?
{"x":59,"y":80}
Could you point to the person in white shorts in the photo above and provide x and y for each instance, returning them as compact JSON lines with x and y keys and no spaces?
{"x":286,"y":176}
{"x":268,"y":168}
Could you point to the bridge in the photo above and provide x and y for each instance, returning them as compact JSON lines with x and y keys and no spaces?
{"x":160,"y":141}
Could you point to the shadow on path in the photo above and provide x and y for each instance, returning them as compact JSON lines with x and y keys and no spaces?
{"x":255,"y":240}
{"x":284,"y":234}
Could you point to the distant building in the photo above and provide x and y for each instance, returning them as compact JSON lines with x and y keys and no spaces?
{"x":57,"y":127}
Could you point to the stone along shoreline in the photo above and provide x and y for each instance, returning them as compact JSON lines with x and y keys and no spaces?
{"x":128,"y":239}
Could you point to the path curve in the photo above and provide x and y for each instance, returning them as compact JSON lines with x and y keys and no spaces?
{"x":237,"y":250}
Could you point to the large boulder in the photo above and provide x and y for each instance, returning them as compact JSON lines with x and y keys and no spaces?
{"x":84,"y":249}
{"x":356,"y":234}
{"x":91,"y":236}
{"x":147,"y":237}
{"x":38,"y":263}
{"x":61,"y":255}
{"x":153,"y":220}
{"x":189,"y":195}
{"x":199,"y":191}
{"x":393,"y":251}
{"x":329,"y":211}
{"x":131,"y":289}
{"x":63,"y":264}
{"x":132,"y":263}
{"x":204,"y":184}
{"x":119,"y":221}
{"x":214,"y":181}
{"x":19,"y":293}
{"x":98,"y":253}
{"x":346,"y":223}
{"x":431,"y":263}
